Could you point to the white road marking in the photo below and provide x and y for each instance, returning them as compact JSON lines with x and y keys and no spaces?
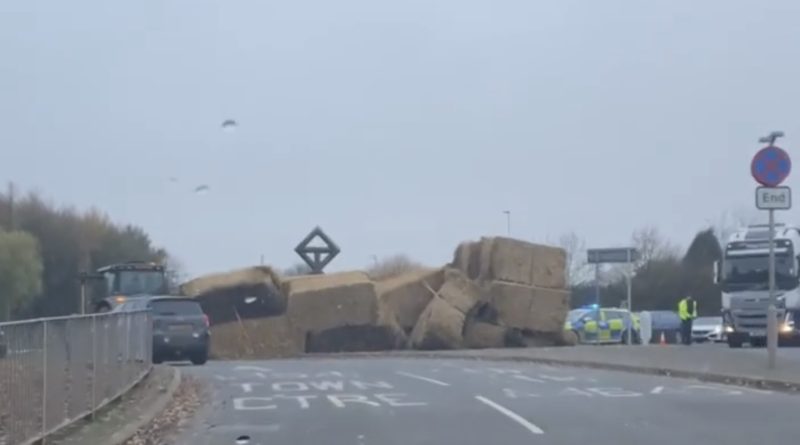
{"x":529,"y":379}
{"x":511,"y":415}
{"x":657,"y":390}
{"x":424,"y":379}
{"x":271,"y":428}
{"x":726,"y":391}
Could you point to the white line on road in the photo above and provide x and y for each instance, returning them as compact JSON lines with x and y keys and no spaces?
{"x":424,"y":379}
{"x":512,"y":415}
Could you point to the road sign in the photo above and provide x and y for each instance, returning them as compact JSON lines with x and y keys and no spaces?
{"x":616,"y":255}
{"x":774,"y":198}
{"x":770,"y":166}
{"x":317,"y":257}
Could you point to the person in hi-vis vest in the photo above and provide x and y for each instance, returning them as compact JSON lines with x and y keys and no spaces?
{"x":687,"y":311}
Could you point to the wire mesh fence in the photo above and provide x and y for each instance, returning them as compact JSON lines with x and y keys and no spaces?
{"x":54,"y":371}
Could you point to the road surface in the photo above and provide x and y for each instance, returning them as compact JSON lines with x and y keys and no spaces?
{"x":391,"y":401}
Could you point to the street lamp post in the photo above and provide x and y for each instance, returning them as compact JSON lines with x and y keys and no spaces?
{"x":508,"y":221}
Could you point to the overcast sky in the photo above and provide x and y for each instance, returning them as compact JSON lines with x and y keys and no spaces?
{"x":397,"y":126}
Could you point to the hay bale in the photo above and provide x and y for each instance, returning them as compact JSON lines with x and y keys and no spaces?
{"x":481,"y":335}
{"x":549,"y":269}
{"x":250,"y":276}
{"x":245,"y":293}
{"x":459,"y":291}
{"x":521,"y":262}
{"x":468,"y":258}
{"x":320,"y":302}
{"x":526,"y":307}
{"x":257,"y":338}
{"x":440,"y":326}
{"x":514,"y":261}
{"x":406,"y":296}
{"x":386,"y":334}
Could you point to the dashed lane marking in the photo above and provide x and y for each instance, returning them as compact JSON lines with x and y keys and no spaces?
{"x":511,"y":415}
{"x":423,"y":378}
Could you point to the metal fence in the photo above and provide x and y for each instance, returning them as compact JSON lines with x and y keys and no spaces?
{"x":54,"y":371}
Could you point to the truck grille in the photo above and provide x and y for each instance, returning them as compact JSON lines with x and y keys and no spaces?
{"x":752,"y":320}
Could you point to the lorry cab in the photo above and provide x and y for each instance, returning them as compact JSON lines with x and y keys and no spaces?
{"x":129,"y":280}
{"x":743,"y":276}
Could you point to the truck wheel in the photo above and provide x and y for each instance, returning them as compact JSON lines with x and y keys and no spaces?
{"x":734,"y":341}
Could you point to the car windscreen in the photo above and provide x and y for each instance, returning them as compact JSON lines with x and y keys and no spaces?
{"x":576,"y":314}
{"x":176,"y":307}
{"x":132,"y":282}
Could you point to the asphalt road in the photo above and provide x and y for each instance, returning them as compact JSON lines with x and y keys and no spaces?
{"x":426,"y":401}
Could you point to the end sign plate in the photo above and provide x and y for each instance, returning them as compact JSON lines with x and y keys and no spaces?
{"x":773,"y":198}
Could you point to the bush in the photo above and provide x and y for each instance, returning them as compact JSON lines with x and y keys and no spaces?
{"x":392,"y":266}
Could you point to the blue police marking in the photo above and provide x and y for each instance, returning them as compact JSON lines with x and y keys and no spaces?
{"x":771,"y":166}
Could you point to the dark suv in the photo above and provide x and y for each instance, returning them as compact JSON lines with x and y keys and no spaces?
{"x":180,"y":330}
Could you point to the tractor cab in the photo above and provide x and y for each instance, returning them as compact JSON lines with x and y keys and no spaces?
{"x":124,"y":281}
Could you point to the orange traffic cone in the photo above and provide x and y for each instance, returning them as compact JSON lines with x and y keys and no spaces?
{"x":663,"y":340}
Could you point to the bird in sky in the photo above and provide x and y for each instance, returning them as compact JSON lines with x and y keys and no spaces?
{"x":229,"y":124}
{"x":201,"y":189}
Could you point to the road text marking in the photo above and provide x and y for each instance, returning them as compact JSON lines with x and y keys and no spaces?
{"x":424,"y":379}
{"x":511,"y":415}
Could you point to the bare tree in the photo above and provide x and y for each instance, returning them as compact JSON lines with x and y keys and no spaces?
{"x":730,"y":221}
{"x":577,"y":268}
{"x":297,"y":269}
{"x":176,"y":270}
{"x":392,"y":266}
{"x":652,"y":245}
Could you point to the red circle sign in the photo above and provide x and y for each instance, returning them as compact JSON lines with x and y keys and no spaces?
{"x":770,"y":166}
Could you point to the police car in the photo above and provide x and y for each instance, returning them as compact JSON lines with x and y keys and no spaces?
{"x":612,"y":326}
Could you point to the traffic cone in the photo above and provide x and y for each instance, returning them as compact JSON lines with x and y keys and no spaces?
{"x":663,"y":340}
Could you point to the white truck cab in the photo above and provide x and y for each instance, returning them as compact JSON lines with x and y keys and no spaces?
{"x":744,"y":279}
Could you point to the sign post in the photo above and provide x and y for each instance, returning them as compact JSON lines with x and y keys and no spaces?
{"x":614,"y":255}
{"x":770,"y":167}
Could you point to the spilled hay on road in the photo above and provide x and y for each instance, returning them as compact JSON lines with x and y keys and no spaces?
{"x":497,"y":292}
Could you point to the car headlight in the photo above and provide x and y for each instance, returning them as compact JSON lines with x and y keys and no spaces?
{"x":786,"y":327}
{"x":729,"y":329}
{"x":717,"y":329}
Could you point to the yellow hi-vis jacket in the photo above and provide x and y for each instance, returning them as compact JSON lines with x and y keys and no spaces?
{"x":683,"y":309}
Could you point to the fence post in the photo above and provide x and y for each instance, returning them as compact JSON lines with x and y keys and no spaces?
{"x":94,"y":364}
{"x":44,"y":379}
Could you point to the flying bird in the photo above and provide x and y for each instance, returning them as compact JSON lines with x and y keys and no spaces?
{"x":229,"y":124}
{"x":201,"y":189}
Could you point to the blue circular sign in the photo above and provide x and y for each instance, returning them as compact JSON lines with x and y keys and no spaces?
{"x":771,"y":166}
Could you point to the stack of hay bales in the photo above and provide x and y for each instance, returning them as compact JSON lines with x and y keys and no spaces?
{"x":497,"y":292}
{"x":340,"y":312}
{"x":246,"y":310}
{"x":523,"y":283}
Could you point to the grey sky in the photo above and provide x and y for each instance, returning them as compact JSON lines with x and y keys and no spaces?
{"x":402,"y":126}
